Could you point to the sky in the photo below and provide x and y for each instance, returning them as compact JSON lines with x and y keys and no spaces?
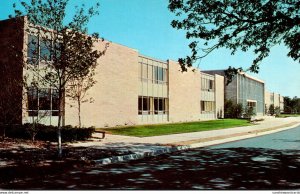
{"x":145,"y":25}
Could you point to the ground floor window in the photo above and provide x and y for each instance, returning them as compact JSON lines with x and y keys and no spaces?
{"x":42,"y":101}
{"x":251,"y":104}
{"x":207,"y":106}
{"x":152,"y":105}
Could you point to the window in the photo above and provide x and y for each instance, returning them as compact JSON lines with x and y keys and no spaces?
{"x":211,"y":85}
{"x":207,"y":106}
{"x":55,"y":103}
{"x":152,"y":105}
{"x":149,"y":72}
{"x":45,"y":50}
{"x":251,"y":104}
{"x":33,"y":49}
{"x":207,"y":84}
{"x":144,"y":105}
{"x":44,"y":99}
{"x":33,"y":101}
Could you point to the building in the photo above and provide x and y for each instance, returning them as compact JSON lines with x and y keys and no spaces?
{"x":272,"y":98}
{"x":131,"y":88}
{"x":246,"y":90}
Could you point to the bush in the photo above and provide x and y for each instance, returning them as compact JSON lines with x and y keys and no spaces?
{"x":232,"y":110}
{"x":48,"y":133}
{"x":271,"y":110}
{"x":249,"y":112}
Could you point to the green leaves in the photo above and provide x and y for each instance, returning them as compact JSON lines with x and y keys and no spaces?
{"x":238,"y":25}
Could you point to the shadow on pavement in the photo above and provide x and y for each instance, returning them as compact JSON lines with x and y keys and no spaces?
{"x":233,"y":168}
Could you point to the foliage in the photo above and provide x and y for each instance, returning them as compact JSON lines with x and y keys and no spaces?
{"x":292,"y":105}
{"x":277,"y":111}
{"x":69,"y":52}
{"x":249,"y":112}
{"x":232,"y":110}
{"x":271,"y":109}
{"x":175,"y":128}
{"x":48,"y":133}
{"x":77,"y":91}
{"x":237,"y":25}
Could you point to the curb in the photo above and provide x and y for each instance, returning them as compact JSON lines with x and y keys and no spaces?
{"x":164,"y":150}
{"x":139,"y":155}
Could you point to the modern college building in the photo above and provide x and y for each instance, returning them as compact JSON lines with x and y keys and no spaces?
{"x":246,"y":90}
{"x":272,"y":98}
{"x":131,"y":88}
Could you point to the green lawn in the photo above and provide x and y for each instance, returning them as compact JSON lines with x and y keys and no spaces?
{"x":289,"y":115}
{"x":165,"y":129}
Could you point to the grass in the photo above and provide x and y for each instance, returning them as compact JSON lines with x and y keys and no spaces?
{"x":288,"y":115}
{"x":175,"y":128}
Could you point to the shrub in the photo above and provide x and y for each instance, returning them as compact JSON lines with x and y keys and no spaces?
{"x":271,"y":110}
{"x":249,"y":112}
{"x":277,"y":111}
{"x":48,"y":133}
{"x":232,"y":110}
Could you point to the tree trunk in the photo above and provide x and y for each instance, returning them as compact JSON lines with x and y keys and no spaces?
{"x":59,"y":124}
{"x":79,"y":113}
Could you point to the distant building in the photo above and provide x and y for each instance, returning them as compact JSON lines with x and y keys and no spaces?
{"x":131,"y":88}
{"x":246,"y":90}
{"x":272,"y":98}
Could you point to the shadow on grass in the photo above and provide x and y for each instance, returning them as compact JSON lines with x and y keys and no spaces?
{"x":234,"y":168}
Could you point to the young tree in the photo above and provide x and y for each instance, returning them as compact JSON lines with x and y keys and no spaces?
{"x":249,"y":112}
{"x":77,"y":91}
{"x":238,"y":25}
{"x":271,"y":109}
{"x":62,"y":50}
{"x":277,"y":111}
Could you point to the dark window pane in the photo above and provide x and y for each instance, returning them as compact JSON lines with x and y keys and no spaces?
{"x":55,"y":97}
{"x":54,"y":113}
{"x":160,"y":104}
{"x":140,"y":105}
{"x":155,"y":105}
{"x":33,"y":113}
{"x":45,"y":50}
{"x":44,"y":99}
{"x":32,"y":50}
{"x":146,"y":105}
{"x":32,"y":98}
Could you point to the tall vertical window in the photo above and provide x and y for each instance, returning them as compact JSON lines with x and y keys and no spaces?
{"x":32,"y":101}
{"x":43,"y":99}
{"x":45,"y":50}
{"x":33,"y":49}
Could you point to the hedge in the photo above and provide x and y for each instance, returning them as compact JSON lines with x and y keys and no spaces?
{"x":47,"y":133}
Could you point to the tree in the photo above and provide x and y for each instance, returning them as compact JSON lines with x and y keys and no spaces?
{"x":61,"y":50}
{"x":249,"y":112}
{"x":271,"y":109}
{"x":77,"y":91}
{"x":291,"y":105}
{"x":277,"y":111}
{"x":238,"y":25}
{"x":232,"y":110}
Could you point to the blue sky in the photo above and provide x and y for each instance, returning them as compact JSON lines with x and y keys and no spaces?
{"x":145,"y":26}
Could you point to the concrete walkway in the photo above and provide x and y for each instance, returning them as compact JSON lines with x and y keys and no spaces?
{"x":151,"y":146}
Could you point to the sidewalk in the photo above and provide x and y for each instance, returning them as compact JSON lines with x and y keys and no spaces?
{"x":151,"y":146}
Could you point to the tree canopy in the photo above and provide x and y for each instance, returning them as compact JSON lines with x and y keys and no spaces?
{"x":59,"y":49}
{"x":238,"y":25}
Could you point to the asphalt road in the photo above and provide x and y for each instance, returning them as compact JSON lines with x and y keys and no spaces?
{"x":270,"y":162}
